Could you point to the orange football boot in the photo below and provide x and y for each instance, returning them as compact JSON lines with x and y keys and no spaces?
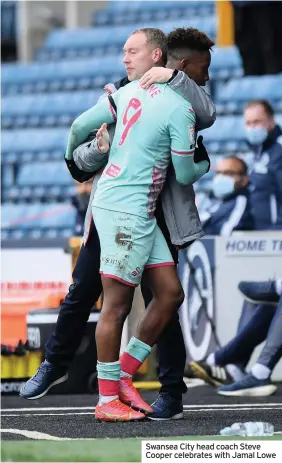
{"x":115,"y":410}
{"x":129,"y":395}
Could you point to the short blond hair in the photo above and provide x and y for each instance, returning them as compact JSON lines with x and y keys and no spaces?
{"x":157,"y":38}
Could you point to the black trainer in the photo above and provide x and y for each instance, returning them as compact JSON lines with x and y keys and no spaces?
{"x":46,"y":377}
{"x":166,"y":407}
{"x":214,"y":375}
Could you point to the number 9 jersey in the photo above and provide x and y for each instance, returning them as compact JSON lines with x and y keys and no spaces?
{"x":153,"y":126}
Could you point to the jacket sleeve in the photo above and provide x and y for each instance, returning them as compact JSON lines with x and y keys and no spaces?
{"x":87,"y":156}
{"x":181,"y":127}
{"x":238,"y":219}
{"x":277,"y":168}
{"x":87,"y":122}
{"x":200,"y":100}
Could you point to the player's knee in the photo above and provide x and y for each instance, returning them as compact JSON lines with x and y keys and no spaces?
{"x":175,"y":294}
{"x":116,"y":313}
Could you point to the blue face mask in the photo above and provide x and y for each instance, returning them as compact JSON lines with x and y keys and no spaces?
{"x":256,"y":135}
{"x":223,"y":185}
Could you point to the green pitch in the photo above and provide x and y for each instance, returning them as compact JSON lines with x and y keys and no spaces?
{"x":94,"y":450}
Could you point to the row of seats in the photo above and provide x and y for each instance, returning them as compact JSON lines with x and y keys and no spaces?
{"x":45,"y":193}
{"x":110,"y":39}
{"x":130,"y":6}
{"x":66,"y":75}
{"x":94,"y":72}
{"x":61,"y":108}
{"x":37,"y":215}
{"x":45,"y":109}
{"x":133,"y":12}
{"x":232,"y":96}
{"x":226,"y":134}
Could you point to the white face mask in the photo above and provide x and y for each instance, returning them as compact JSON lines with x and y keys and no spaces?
{"x":256,"y":135}
{"x":223,"y":185}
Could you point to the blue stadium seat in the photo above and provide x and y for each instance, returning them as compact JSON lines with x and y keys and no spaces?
{"x":226,"y":135}
{"x":233,"y":95}
{"x":57,"y":215}
{"x":130,"y":12}
{"x":46,"y":109}
{"x":64,"y":75}
{"x":37,"y":220}
{"x":71,"y":43}
{"x":33,"y":144}
{"x":226,"y":62}
{"x":44,"y":174}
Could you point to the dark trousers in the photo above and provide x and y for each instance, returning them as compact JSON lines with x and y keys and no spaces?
{"x":61,"y":347}
{"x":258,"y":35}
{"x":256,"y":324}
{"x":272,"y":351}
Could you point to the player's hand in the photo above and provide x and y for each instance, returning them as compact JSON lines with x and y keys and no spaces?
{"x":103,"y":139}
{"x":155,"y":75}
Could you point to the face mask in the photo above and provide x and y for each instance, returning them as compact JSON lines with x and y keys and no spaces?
{"x":256,"y":135}
{"x":223,"y":185}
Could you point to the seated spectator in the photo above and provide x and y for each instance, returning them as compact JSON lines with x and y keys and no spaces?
{"x":259,"y":321}
{"x":228,"y":209}
{"x":265,"y":169}
{"x":80,"y":201}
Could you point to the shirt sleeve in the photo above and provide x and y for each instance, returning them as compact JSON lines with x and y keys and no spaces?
{"x":90,"y":120}
{"x":181,"y":127}
{"x":199,"y":99}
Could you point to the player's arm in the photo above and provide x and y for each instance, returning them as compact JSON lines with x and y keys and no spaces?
{"x":200,"y":100}
{"x":181,"y":127}
{"x":90,"y":120}
{"x":88,"y":156}
{"x":182,"y":84}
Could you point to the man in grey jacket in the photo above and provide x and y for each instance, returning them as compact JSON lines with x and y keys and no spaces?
{"x":192,"y":49}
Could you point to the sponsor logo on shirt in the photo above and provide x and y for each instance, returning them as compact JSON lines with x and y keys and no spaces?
{"x":113,"y":171}
{"x":136,"y":272}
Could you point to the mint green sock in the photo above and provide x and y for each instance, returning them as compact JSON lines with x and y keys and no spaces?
{"x":138,"y":349}
{"x":109,"y":370}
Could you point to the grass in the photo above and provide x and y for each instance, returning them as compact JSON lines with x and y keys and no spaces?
{"x":94,"y":450}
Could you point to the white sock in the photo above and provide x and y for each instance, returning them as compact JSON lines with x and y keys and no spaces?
{"x":103,"y":399}
{"x":278,"y":287}
{"x":260,"y":371}
{"x":235,"y":372}
{"x":123,"y":374}
{"x":211,"y":360}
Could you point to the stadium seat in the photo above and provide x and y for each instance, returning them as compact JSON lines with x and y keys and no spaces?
{"x":44,"y":174}
{"x":226,"y":62}
{"x":63,"y":75}
{"x":226,"y":135}
{"x":37,"y":220}
{"x":46,"y":109}
{"x":233,"y":95}
{"x":75,"y":43}
{"x":33,"y":144}
{"x":130,"y":12}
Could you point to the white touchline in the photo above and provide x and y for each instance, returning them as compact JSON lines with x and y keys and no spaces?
{"x":235,"y":406}
{"x":47,"y":409}
{"x":186,"y":410}
{"x":47,"y":414}
{"x":42,"y":436}
{"x":33,"y":434}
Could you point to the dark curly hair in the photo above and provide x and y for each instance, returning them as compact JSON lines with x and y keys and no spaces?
{"x":187,"y":39}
